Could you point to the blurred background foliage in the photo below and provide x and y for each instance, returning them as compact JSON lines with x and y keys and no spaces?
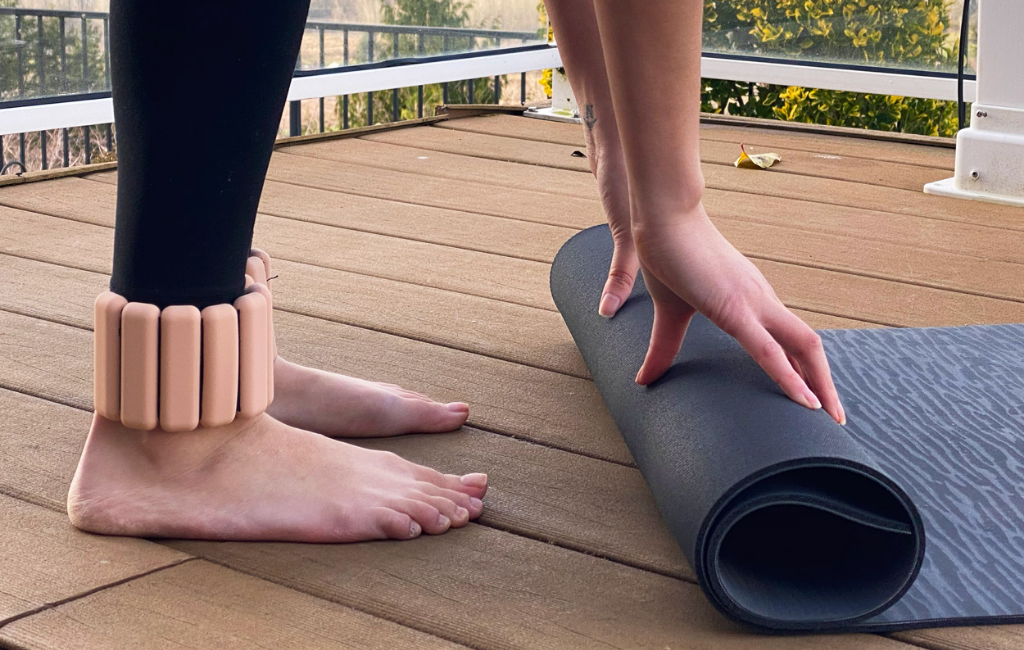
{"x":885,"y":33}
{"x":422,"y":13}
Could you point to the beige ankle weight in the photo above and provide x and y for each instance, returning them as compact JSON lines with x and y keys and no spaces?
{"x":180,"y":368}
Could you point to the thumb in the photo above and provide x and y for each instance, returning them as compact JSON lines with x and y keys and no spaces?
{"x":621,"y":276}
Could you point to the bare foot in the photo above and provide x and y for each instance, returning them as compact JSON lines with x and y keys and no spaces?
{"x":259,"y":479}
{"x":346,"y":407}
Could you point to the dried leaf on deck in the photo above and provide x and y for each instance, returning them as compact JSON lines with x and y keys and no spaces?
{"x":757,"y":160}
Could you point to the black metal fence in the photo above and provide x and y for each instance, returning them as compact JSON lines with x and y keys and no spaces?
{"x":50,"y":53}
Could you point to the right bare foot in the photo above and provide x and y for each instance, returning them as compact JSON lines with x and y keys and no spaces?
{"x":258,"y":479}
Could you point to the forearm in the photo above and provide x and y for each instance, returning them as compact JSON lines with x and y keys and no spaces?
{"x":652,"y":54}
{"x":579,"y":45}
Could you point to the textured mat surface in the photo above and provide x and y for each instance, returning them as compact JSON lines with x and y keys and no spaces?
{"x":910,"y":516}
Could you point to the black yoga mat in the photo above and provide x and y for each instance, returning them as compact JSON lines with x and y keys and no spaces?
{"x":910,"y":516}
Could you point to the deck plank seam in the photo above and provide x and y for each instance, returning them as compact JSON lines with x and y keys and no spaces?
{"x":63,"y":601}
{"x":13,"y":310}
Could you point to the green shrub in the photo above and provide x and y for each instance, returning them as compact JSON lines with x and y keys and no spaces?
{"x":901,"y":33}
{"x":426,"y":13}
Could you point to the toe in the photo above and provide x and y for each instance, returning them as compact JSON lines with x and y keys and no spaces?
{"x":397,"y":525}
{"x":426,"y":515}
{"x":472,"y":505}
{"x":475,"y":485}
{"x":458,"y":515}
{"x":427,"y":416}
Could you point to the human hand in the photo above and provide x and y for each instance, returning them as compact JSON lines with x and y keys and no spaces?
{"x":689,"y":267}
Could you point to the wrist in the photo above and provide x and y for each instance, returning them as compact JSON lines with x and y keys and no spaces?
{"x":653,"y":211}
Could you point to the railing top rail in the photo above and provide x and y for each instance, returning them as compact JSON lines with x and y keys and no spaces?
{"x":418,"y":29}
{"x":313,"y":24}
{"x":54,"y":13}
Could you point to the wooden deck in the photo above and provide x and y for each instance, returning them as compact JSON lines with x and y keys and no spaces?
{"x":420,"y":256}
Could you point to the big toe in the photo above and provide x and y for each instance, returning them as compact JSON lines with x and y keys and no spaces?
{"x":427,"y":416}
{"x":474,"y":485}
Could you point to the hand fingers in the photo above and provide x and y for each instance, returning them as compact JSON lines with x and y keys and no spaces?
{"x":621,"y":276}
{"x":804,"y":345}
{"x":667,"y":336}
{"x":770,"y":355}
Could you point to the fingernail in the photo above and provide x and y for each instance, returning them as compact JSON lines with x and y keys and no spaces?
{"x":842,"y":415}
{"x":458,"y":407}
{"x":811,"y":400}
{"x":609,"y":303}
{"x":414,"y":529}
{"x":462,"y":513}
{"x":476,"y":503}
{"x":444,"y":522}
{"x":474,"y":480}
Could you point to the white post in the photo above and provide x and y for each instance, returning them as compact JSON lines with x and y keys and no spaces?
{"x":990,"y":154}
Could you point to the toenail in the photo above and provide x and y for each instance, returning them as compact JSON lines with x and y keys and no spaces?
{"x":444,"y":522}
{"x":414,"y":529}
{"x":458,"y":407}
{"x":474,"y":480}
{"x":462,"y":513}
{"x":476,"y":503}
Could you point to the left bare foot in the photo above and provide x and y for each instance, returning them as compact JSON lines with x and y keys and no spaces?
{"x":341,"y":407}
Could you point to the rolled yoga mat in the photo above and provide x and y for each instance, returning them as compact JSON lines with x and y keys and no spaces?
{"x":912,"y":515}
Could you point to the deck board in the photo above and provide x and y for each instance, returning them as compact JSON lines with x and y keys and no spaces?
{"x":432,"y":273}
{"x":202,"y":606}
{"x":712,"y":152}
{"x":45,"y":561}
{"x":560,"y":133}
{"x":810,"y":188}
{"x":491,"y":590}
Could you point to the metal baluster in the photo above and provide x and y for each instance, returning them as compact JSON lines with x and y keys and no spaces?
{"x":63,"y":58}
{"x":295,"y":107}
{"x":21,"y":56}
{"x":394,"y":91}
{"x":110,"y":138}
{"x":445,"y":46}
{"x":85,"y":55}
{"x":344,"y":62}
{"x":369,"y":95}
{"x":522,"y":83}
{"x":88,"y":145}
{"x":421,"y":50}
{"x":320,"y":29}
{"x":472,"y":82}
{"x":106,"y":51}
{"x":41,"y":73}
{"x":40,"y":65}
{"x":295,"y":117}
{"x":497,"y":78}
{"x":21,"y":150}
{"x":65,"y":143}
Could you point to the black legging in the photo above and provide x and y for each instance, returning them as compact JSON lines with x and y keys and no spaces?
{"x":197,"y":103}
